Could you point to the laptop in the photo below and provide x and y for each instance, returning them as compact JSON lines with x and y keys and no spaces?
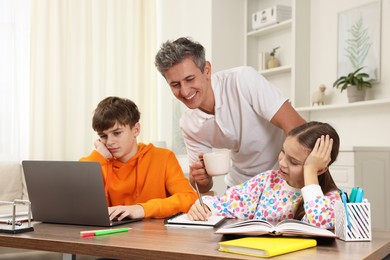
{"x":68,"y":192}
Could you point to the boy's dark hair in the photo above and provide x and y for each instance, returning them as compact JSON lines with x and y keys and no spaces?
{"x":172,"y":53}
{"x":307,"y":135}
{"x":113,"y":110}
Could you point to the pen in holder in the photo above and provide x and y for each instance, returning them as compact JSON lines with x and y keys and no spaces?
{"x":358,"y":228}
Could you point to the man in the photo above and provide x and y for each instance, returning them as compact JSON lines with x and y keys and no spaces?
{"x":236,"y":109}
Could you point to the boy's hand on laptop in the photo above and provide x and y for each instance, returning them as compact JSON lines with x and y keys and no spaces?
{"x":121,"y":212}
{"x":102,"y":149}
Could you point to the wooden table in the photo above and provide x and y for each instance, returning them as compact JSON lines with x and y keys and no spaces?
{"x":152,"y":240}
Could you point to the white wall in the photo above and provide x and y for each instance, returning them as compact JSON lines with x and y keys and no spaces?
{"x":357,"y":126}
{"x":218,"y":25}
{"x":178,"y":18}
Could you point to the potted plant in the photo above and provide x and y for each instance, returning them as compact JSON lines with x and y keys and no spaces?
{"x":355,"y":84}
{"x":273,"y":61}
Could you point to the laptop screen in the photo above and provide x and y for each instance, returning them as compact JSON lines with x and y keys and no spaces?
{"x":67,"y":192}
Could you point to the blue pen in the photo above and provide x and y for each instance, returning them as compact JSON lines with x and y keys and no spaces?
{"x":352,"y":197}
{"x":359,"y":195}
{"x":344,"y":199}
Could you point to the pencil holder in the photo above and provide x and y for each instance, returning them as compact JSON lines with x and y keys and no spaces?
{"x":359,"y":228}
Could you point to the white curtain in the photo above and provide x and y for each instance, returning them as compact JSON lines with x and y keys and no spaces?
{"x":14,"y":77}
{"x":81,"y":52}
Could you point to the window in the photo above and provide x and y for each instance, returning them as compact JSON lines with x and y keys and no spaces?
{"x":14,"y":79}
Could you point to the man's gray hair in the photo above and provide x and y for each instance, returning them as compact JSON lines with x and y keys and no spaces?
{"x":172,"y":53}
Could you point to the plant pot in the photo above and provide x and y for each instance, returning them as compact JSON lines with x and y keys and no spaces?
{"x":273,"y":62}
{"x":355,"y":95}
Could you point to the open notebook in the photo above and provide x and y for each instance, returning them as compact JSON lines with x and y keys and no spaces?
{"x":68,"y":192}
{"x":182,"y":220}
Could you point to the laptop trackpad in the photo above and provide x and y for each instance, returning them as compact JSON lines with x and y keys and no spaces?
{"x":116,"y":222}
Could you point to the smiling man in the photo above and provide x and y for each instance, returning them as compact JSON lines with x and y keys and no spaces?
{"x":235,"y":109}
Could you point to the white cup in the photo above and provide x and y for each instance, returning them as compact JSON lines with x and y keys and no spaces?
{"x":217,"y":163}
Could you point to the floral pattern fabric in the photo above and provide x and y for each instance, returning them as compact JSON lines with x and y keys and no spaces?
{"x":268,"y":197}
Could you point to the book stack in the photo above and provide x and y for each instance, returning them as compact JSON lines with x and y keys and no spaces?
{"x":270,"y":16}
{"x":263,"y":60}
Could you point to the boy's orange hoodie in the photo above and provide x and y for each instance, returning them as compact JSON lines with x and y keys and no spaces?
{"x":152,"y":178}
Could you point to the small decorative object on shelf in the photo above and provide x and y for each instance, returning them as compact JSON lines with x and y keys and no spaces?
{"x":318,"y":96}
{"x":270,"y":16}
{"x":273,"y":62}
{"x":355,"y":84}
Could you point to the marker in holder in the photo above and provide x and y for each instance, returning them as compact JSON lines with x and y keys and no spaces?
{"x":360,"y":221}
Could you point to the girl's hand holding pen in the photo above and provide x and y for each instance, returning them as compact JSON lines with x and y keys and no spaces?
{"x":197,"y":212}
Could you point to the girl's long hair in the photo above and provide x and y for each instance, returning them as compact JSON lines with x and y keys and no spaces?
{"x":307,"y":135}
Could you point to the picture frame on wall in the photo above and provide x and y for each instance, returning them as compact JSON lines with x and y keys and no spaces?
{"x":359,"y":38}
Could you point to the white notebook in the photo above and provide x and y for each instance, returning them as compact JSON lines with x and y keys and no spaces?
{"x":182,"y":220}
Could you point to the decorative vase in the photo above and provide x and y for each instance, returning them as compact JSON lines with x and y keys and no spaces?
{"x":273,"y":62}
{"x":355,"y":95}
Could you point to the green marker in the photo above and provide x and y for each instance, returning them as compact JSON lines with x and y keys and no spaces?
{"x":111,"y":231}
{"x":352,"y":197}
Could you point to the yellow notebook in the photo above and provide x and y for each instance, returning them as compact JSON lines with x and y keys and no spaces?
{"x":265,"y":246}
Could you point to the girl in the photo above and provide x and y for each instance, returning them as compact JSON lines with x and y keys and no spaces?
{"x":302,"y":188}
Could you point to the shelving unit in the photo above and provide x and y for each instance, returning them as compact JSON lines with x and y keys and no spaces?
{"x":276,"y":71}
{"x":293,"y":38}
{"x":368,"y":103}
{"x":270,"y":29}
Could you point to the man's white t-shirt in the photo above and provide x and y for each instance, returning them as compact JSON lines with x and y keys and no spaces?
{"x":245,"y":103}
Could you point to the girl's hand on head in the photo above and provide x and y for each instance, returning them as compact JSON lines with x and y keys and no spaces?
{"x":320,"y":155}
{"x":102,"y":149}
{"x":197,"y":212}
{"x":319,"y":158}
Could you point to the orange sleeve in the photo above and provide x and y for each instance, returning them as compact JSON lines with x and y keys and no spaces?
{"x":181,"y":196}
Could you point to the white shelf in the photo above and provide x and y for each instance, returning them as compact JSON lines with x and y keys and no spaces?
{"x":348,"y":105}
{"x":276,"y":71}
{"x":293,"y":38}
{"x":270,"y":29}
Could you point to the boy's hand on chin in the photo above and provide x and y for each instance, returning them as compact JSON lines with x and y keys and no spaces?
{"x":102,"y":149}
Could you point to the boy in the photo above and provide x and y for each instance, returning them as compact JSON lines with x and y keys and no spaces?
{"x":141,"y":181}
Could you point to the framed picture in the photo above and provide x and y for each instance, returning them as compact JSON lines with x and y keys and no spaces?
{"x":359,"y":37}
